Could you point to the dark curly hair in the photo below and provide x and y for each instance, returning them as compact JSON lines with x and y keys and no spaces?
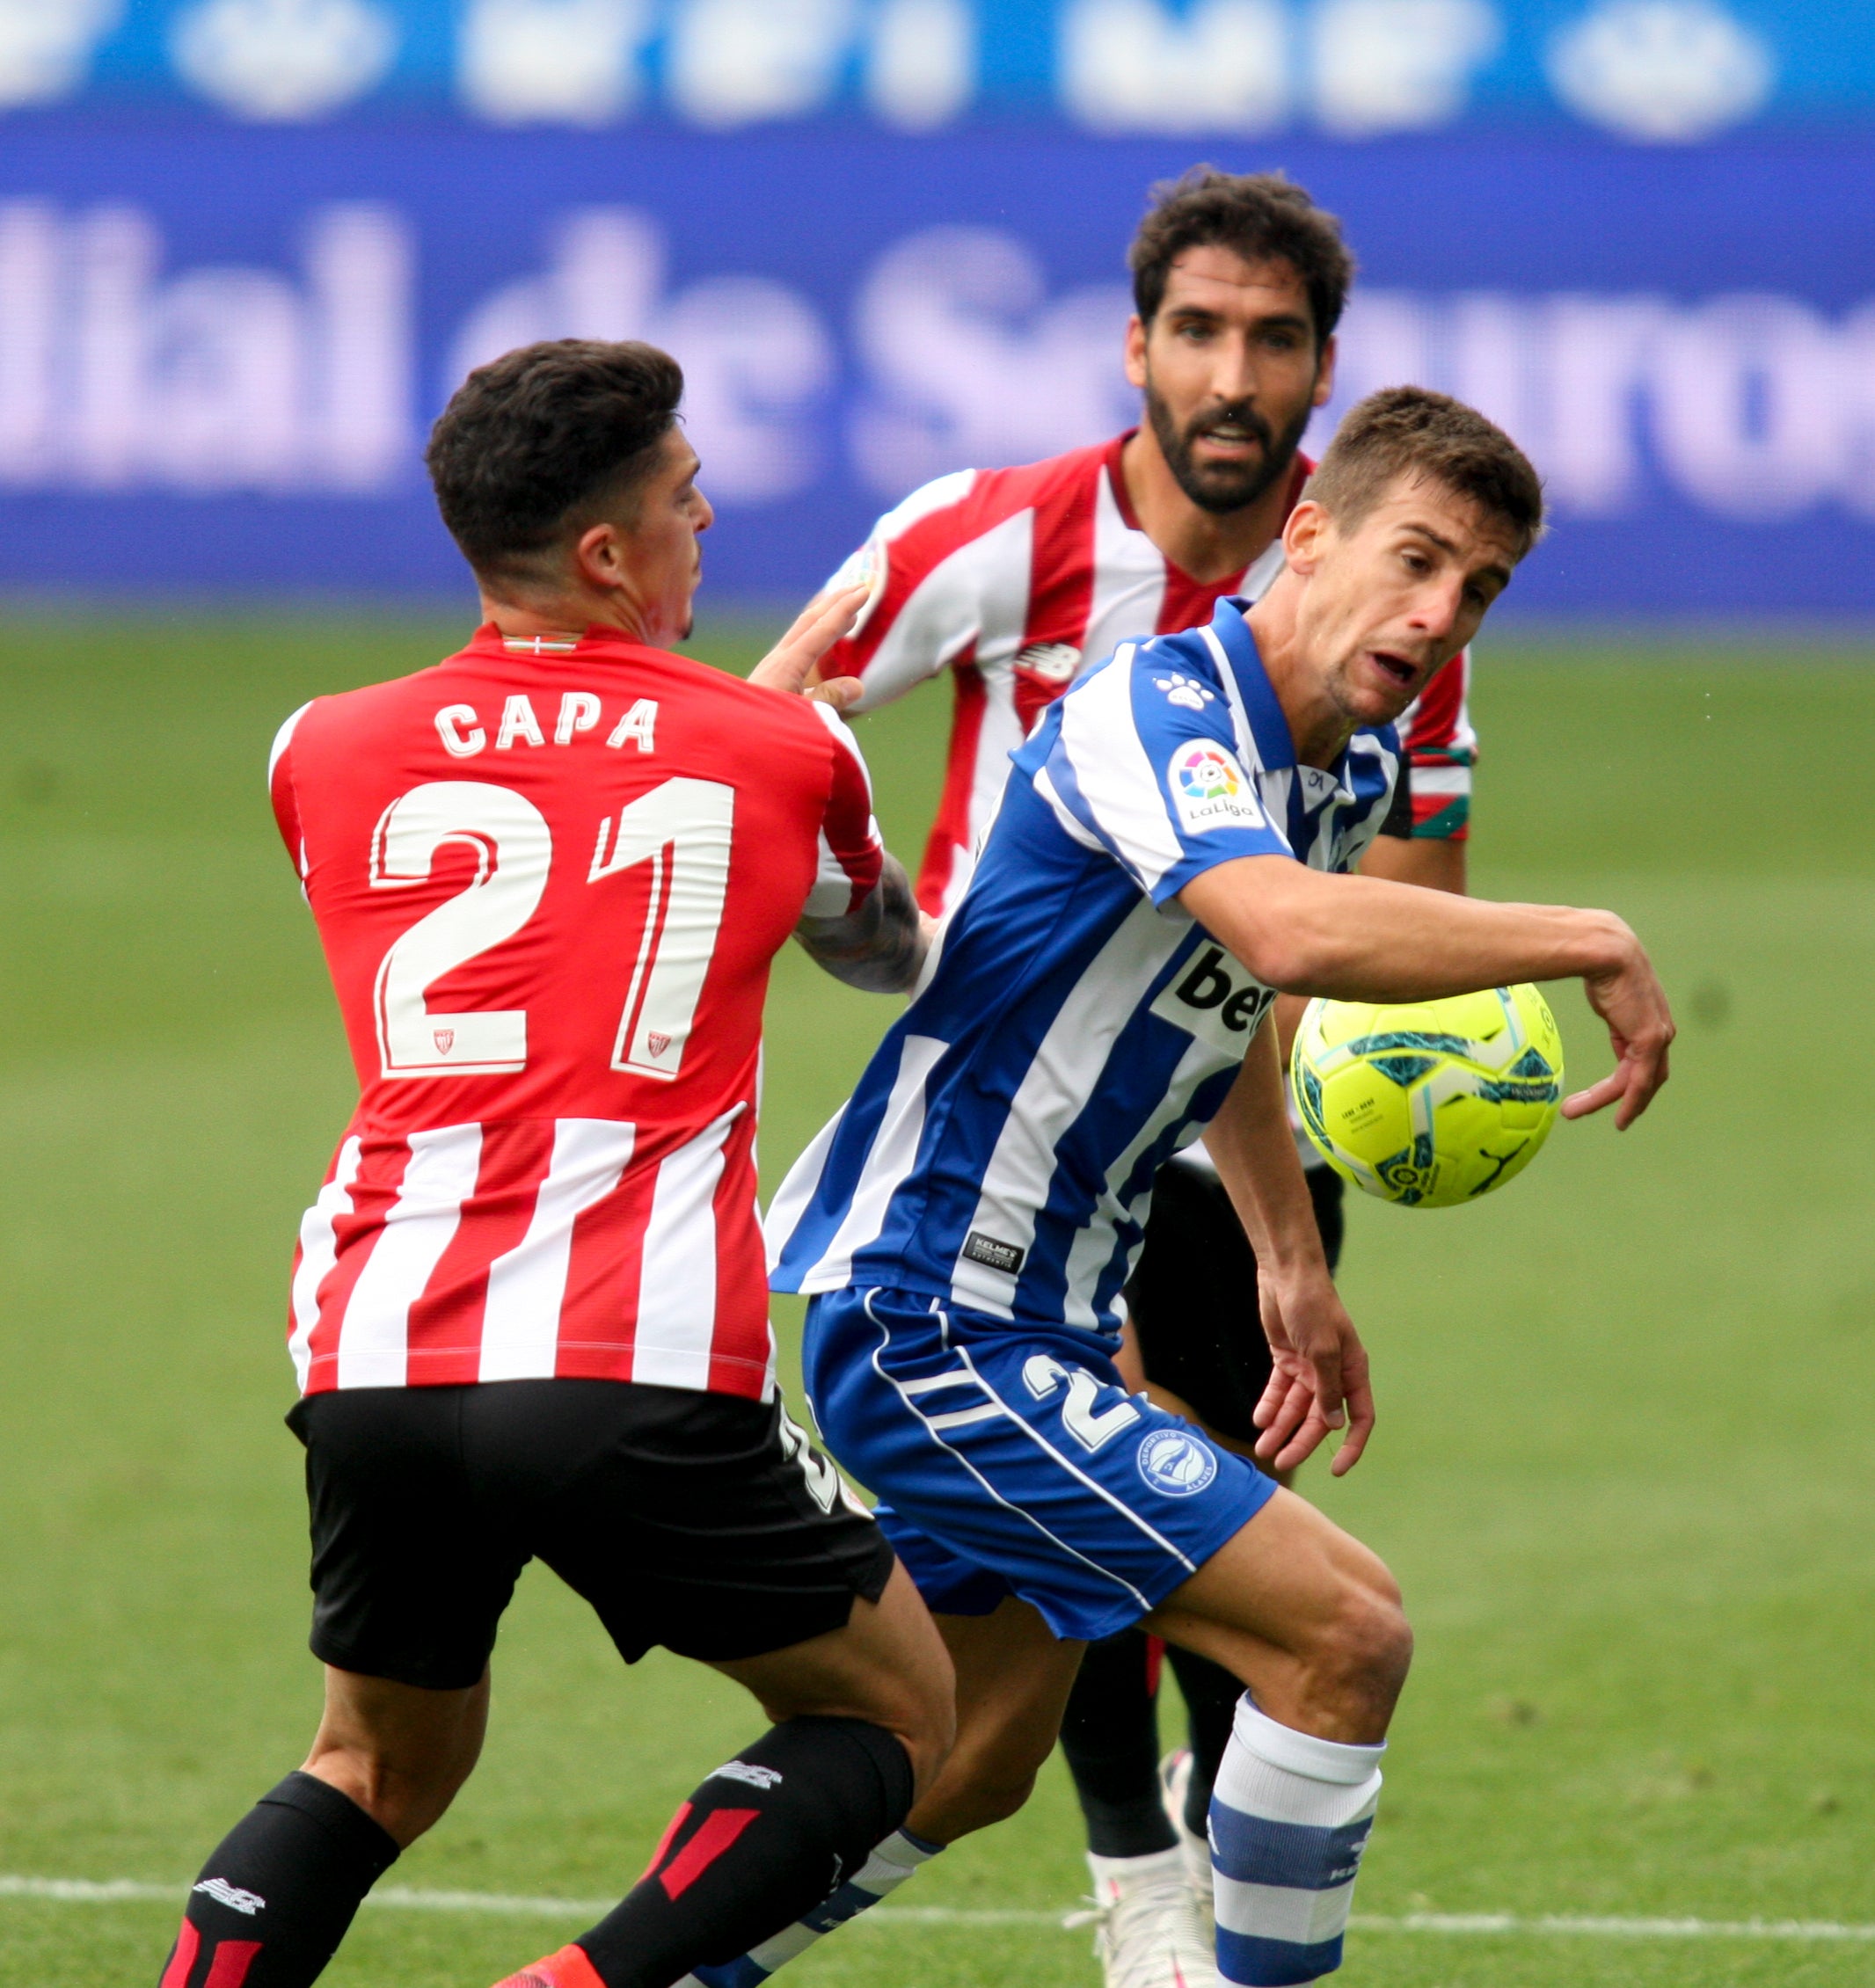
{"x":1261,"y":217}
{"x":1413,"y":432}
{"x":533,"y":442}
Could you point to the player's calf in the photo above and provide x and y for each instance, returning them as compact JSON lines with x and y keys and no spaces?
{"x":275,"y":1898}
{"x":753,"y":1848}
{"x":1311,"y":1623}
{"x":741,"y":1881}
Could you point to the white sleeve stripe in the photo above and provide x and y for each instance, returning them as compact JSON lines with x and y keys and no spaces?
{"x":1117,"y":782}
{"x":842,"y":733}
{"x":1247,"y":750}
{"x":833,"y":880}
{"x":283,"y":738}
{"x":1071,"y":825}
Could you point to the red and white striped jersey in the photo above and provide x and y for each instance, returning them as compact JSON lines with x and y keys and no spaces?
{"x":1011,"y":580}
{"x":550,"y":879}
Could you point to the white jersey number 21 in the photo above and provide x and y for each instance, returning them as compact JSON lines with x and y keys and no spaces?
{"x":682,"y":828}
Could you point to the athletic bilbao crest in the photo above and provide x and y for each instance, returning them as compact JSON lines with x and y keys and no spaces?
{"x":655,"y":1042}
{"x":445,"y":1040}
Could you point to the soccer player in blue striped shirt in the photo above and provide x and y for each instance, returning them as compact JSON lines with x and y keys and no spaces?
{"x":1171,"y":851}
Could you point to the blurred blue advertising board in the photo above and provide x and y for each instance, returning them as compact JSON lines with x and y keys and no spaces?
{"x":219,"y":373}
{"x":227,"y":319}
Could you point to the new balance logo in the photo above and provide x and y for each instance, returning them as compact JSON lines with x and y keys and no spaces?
{"x":985,"y":1250}
{"x":1053,"y":662}
{"x":224,"y":1893}
{"x":755,"y":1777}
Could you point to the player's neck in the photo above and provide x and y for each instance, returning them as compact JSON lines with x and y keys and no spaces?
{"x":1209,"y":545}
{"x":558,"y":616}
{"x":1319,"y":729}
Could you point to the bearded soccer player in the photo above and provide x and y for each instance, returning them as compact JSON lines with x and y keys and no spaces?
{"x":1186,"y":816}
{"x":1009,"y":579}
{"x":529,"y":1313}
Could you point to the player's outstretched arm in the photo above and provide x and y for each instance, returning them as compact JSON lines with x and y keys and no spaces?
{"x":1319,"y":1366}
{"x":879,"y":947}
{"x":1356,"y":939}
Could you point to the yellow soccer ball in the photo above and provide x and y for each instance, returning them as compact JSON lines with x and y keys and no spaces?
{"x":1433,"y":1102}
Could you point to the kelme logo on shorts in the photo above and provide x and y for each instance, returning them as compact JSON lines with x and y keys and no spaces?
{"x":985,"y":1250}
{"x":1209,"y":790}
{"x":1175,"y":1463}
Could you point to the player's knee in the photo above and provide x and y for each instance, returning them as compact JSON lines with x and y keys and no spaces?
{"x":1002,"y":1798}
{"x":992,"y":1792}
{"x":926,"y":1721}
{"x":1361,"y":1654}
{"x":405,"y":1794}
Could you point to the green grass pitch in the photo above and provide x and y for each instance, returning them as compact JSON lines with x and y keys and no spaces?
{"x":1624,"y":1468}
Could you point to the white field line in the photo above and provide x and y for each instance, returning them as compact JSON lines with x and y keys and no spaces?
{"x":119,"y":1890}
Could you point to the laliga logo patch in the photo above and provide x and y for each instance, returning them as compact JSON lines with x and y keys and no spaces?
{"x":1176,"y":1464}
{"x":1210,"y":790}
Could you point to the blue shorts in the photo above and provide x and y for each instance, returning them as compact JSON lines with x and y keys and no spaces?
{"x":1012,"y":1461}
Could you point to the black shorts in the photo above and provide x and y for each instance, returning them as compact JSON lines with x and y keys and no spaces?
{"x":702,"y":1522}
{"x":1193,"y":1295}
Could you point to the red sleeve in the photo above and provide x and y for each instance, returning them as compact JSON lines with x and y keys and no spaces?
{"x":851,"y":856}
{"x":285,"y":796}
{"x":1443,"y":748}
{"x":892,"y":651}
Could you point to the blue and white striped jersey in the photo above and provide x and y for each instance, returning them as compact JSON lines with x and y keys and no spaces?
{"x":1080,"y":1026}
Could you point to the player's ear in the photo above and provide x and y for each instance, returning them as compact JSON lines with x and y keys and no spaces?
{"x":598,"y":557}
{"x":1324,"y":375}
{"x":1305,"y":536}
{"x":1135,"y":350}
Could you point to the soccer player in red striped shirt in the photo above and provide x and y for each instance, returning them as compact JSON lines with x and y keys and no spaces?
{"x":528,"y":1313}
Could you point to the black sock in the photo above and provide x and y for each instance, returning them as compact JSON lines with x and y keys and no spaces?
{"x":1211,"y":1695}
{"x":764,"y":1840}
{"x":1111,"y":1737}
{"x":276,"y":1899}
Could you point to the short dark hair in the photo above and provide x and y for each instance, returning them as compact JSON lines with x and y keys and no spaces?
{"x":543,"y":435}
{"x":1413,"y":432}
{"x":1261,"y":217}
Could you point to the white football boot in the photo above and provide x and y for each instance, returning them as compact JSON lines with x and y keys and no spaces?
{"x":1175,"y":1777}
{"x":1146,"y":1933}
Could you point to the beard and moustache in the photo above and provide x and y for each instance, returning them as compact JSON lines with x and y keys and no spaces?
{"x":1223,"y":487}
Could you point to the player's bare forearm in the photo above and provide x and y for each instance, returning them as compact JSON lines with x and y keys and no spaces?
{"x":1434,"y":862}
{"x":1254,"y":1151}
{"x":880,"y":947}
{"x":1358,"y":938}
{"x":1319,"y":1374}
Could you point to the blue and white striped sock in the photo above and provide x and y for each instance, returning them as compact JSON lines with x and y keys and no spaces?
{"x":1289,"y":1818}
{"x":890,"y":1864}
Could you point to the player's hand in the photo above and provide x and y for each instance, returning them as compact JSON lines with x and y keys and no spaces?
{"x":1640,"y":1028}
{"x":1319,"y":1379}
{"x":790,"y":664}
